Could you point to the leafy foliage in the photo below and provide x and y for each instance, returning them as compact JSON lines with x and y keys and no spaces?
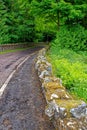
{"x":61,"y":11}
{"x":71,"y":68}
{"x":16,"y":21}
{"x":75,"y":38}
{"x":38,"y":20}
{"x":3,"y":26}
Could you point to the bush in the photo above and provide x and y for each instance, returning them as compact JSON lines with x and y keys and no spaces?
{"x":74,"y":38}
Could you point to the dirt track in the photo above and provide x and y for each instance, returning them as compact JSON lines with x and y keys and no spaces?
{"x":22,"y":104}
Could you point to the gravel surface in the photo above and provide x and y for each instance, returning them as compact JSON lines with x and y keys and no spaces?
{"x":22,"y":104}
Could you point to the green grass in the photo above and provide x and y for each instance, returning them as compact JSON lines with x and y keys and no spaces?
{"x":15,"y":50}
{"x":71,"y":67}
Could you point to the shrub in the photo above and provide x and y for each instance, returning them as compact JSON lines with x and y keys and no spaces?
{"x":74,"y":38}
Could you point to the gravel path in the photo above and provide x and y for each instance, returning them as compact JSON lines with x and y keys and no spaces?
{"x":22,"y":104}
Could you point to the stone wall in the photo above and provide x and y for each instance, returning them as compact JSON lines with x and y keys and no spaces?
{"x":5,"y":47}
{"x":65,"y":112}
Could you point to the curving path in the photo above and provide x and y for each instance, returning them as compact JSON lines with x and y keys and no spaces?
{"x":22,"y":104}
{"x":9,"y":62}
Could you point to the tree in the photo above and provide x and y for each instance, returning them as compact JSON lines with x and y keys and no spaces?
{"x":17,"y":20}
{"x":61,"y":11}
{"x":28,"y":20}
{"x":4,"y":37}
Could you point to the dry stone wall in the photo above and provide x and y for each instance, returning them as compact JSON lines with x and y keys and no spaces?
{"x":65,"y":112}
{"x":4,"y":47}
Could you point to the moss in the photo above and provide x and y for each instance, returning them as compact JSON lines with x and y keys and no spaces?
{"x":60,"y":94}
{"x":68,"y":104}
{"x":53,"y":86}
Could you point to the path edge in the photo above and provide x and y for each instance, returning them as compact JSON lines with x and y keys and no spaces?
{"x":3,"y":87}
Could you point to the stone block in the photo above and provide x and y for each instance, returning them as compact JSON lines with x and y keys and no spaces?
{"x":80,"y":111}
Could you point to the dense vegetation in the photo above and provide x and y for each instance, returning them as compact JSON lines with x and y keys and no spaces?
{"x":61,"y":22}
{"x":16,"y":21}
{"x":39,"y":20}
{"x":71,"y":67}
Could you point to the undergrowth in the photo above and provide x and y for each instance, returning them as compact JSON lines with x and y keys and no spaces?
{"x":71,"y":67}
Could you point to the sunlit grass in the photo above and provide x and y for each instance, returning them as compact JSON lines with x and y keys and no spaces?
{"x":71,"y":67}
